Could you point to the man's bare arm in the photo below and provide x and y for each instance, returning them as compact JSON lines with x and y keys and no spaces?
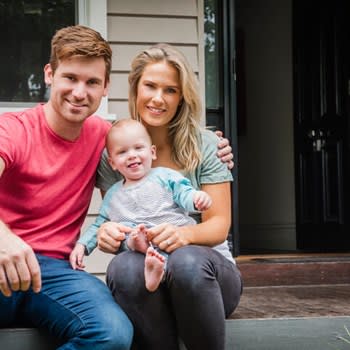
{"x":2,"y":166}
{"x":19,"y":268}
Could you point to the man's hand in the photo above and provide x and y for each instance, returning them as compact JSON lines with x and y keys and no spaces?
{"x":225,"y":150}
{"x":19,"y":268}
{"x":110,"y":235}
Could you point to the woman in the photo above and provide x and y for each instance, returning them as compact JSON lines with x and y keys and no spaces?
{"x":202,"y":285}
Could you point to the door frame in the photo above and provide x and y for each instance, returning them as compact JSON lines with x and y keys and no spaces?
{"x":230,"y":112}
{"x":225,"y":117}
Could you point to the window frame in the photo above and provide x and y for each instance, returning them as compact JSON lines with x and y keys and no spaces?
{"x":91,"y":13}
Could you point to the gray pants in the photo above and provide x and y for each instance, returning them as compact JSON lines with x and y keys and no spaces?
{"x":200,"y":290}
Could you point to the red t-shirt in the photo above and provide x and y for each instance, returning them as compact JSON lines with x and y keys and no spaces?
{"x":47,"y":184}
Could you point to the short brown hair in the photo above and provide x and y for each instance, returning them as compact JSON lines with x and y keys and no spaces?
{"x":79,"y":41}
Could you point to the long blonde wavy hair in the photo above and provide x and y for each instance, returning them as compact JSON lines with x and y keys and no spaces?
{"x":184,"y":127}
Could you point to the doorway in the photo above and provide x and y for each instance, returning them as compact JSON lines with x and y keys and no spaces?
{"x":321,"y":94}
{"x":274,"y":193}
{"x":265,"y":143}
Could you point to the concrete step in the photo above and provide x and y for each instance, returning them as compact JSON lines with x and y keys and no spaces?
{"x":322,"y":333}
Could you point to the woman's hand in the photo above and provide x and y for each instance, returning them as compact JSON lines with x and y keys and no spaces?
{"x":110,"y":235}
{"x":167,"y":237}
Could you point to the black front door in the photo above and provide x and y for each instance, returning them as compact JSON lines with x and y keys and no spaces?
{"x":321,"y":43}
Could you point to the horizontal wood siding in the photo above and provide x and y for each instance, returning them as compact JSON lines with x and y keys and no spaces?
{"x":123,"y":54}
{"x":149,"y":30}
{"x":154,"y":7}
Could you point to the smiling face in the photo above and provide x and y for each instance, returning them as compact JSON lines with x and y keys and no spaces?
{"x":77,"y":87}
{"x":158,"y":94}
{"x":130,"y":151}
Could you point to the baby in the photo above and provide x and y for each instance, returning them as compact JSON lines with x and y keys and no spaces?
{"x":146,"y":197}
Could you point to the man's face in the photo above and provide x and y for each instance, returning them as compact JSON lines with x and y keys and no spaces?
{"x":77,"y":87}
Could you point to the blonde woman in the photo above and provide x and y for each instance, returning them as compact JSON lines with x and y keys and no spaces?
{"x":202,"y":284}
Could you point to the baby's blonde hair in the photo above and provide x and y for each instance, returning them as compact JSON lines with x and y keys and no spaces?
{"x":120,"y":124}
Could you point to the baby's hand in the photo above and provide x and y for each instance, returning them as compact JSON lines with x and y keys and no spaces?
{"x":201,"y":200}
{"x":76,"y":257}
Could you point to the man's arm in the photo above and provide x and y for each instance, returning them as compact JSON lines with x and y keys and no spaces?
{"x":19,"y":268}
{"x":2,"y":166}
{"x":225,"y":150}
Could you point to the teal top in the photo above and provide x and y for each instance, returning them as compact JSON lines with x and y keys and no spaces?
{"x":210,"y":171}
{"x":162,"y":196}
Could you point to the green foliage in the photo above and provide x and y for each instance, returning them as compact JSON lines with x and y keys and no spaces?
{"x":346,"y":340}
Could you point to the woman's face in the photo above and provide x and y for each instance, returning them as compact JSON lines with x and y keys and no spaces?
{"x":158,"y":94}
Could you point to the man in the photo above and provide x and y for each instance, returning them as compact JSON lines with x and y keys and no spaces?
{"x":48,"y":159}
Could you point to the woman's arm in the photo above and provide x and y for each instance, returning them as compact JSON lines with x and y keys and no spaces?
{"x":213,"y":177}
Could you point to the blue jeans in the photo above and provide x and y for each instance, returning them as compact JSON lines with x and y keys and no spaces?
{"x":73,"y":306}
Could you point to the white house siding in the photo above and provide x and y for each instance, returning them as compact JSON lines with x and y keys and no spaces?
{"x":134,"y":25}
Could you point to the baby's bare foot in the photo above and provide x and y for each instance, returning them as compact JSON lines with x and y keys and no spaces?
{"x":154,"y":269}
{"x":138,"y":241}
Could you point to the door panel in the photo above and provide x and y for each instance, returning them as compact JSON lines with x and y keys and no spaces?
{"x":321,"y":59}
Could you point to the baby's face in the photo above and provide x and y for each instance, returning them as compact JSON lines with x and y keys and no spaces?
{"x":131,"y":153}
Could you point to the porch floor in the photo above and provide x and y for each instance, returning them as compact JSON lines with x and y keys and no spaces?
{"x":294,"y":301}
{"x":294,"y":285}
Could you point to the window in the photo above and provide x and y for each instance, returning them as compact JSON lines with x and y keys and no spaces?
{"x":213,"y":65}
{"x":26,"y":29}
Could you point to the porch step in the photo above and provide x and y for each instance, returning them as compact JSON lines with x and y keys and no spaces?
{"x":294,"y":286}
{"x":274,"y":270}
{"x":27,"y":339}
{"x":264,"y":334}
{"x":280,"y":331}
{"x":289,"y":334}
